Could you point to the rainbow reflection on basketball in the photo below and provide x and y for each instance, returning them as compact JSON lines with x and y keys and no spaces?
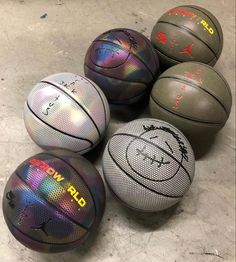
{"x":53,"y":201}
{"x":123,"y":63}
{"x":67,"y":111}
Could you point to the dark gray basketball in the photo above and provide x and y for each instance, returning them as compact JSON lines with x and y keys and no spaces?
{"x":148,"y":164}
{"x":192,"y":96}
{"x":187,"y":33}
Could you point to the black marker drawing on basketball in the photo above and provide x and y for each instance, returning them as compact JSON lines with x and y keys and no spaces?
{"x":156,"y":154}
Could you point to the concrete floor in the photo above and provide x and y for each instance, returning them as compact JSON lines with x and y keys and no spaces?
{"x":202,"y":226}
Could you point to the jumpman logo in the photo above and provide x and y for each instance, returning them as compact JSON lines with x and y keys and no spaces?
{"x":42,"y":226}
{"x":11,"y":197}
{"x":187,"y":51}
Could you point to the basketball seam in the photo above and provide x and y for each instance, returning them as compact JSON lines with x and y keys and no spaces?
{"x":122,"y":80}
{"x":110,"y":67}
{"x":123,"y":202}
{"x":182,"y":116}
{"x":191,"y":33}
{"x":180,"y":60}
{"x":46,"y":153}
{"x":152,"y":190}
{"x":71,"y":97}
{"x":103,"y":104}
{"x":181,"y":80}
{"x":127,"y":99}
{"x":197,"y":8}
{"x":129,"y":52}
{"x":60,"y":131}
{"x":221,"y":76}
{"x":40,"y":241}
{"x":163,"y":150}
{"x":50,"y":204}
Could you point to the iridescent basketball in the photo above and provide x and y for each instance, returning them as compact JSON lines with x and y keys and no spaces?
{"x":66,"y":111}
{"x":53,"y":201}
{"x":123,"y":63}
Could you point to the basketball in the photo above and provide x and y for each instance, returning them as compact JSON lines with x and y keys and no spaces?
{"x":148,"y":164}
{"x":53,"y":201}
{"x":66,"y":111}
{"x":123,"y":63}
{"x":192,"y":96}
{"x":187,"y":33}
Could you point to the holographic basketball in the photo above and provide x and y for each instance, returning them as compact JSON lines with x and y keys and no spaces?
{"x":66,"y":111}
{"x":123,"y":63}
{"x":53,"y":201}
{"x":187,"y":33}
{"x":148,"y":164}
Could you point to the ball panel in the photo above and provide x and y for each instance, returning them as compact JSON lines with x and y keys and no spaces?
{"x":179,"y":44}
{"x":188,"y":100}
{"x":215,"y":23}
{"x":32,"y":216}
{"x":187,"y":126}
{"x":206,"y":77}
{"x":197,"y":21}
{"x":87,"y":94}
{"x":133,"y":194}
{"x":135,"y":43}
{"x":90,"y":177}
{"x":118,"y":91}
{"x":48,"y":137}
{"x":58,"y":109}
{"x":49,"y":178}
{"x":133,"y":71}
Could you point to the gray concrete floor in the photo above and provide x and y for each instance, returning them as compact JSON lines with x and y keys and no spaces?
{"x":202,"y":226}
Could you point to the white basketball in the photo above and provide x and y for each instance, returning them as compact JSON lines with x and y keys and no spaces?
{"x":66,"y":111}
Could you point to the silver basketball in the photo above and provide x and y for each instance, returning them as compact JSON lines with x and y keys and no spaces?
{"x":148,"y":164}
{"x":66,"y":111}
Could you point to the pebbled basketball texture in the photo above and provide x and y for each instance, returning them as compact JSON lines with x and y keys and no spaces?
{"x":66,"y":111}
{"x":148,"y":164}
{"x":187,"y":33}
{"x":123,"y":63}
{"x":192,"y":96}
{"x":53,"y":201}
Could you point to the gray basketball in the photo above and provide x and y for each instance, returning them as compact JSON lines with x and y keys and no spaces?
{"x":148,"y":164}
{"x":66,"y":111}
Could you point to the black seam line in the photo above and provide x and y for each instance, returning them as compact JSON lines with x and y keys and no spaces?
{"x":178,"y":79}
{"x":60,"y":131}
{"x":124,"y":49}
{"x":123,"y":202}
{"x":152,"y":190}
{"x":50,"y":204}
{"x":181,"y":60}
{"x":190,"y":32}
{"x":127,"y":99}
{"x":182,"y":116}
{"x":220,"y":76}
{"x":163,"y":150}
{"x":122,"y":80}
{"x":101,"y":100}
{"x":40,"y":241}
{"x":195,"y":7}
{"x":46,"y":153}
{"x":61,"y":89}
{"x":110,"y":67}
